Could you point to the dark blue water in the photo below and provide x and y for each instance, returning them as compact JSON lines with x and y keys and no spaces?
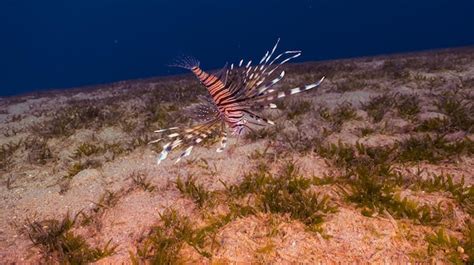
{"x":59,"y":44}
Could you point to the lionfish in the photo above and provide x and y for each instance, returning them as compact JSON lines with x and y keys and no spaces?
{"x":235,"y":92}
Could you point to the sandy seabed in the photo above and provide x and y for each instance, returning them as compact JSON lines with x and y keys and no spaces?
{"x":85,"y":151}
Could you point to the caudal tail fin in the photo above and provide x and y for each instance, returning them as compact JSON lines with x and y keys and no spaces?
{"x":186,"y":62}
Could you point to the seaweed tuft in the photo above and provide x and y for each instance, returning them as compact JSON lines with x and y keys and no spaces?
{"x":58,"y":243}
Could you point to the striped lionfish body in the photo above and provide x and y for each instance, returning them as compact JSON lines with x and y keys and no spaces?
{"x":234,"y":94}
